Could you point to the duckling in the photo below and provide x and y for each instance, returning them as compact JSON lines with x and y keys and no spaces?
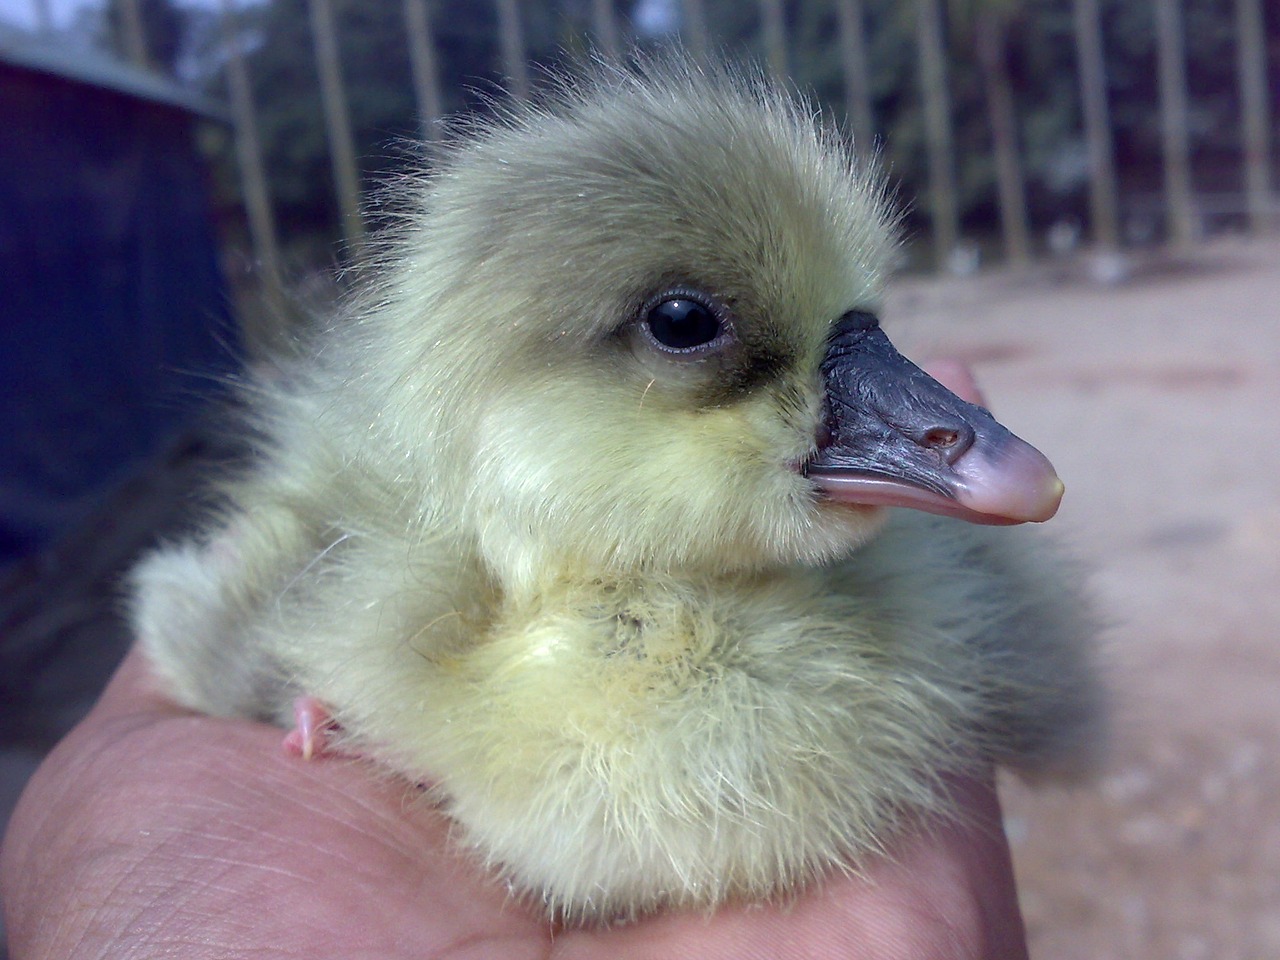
{"x":584,"y":516}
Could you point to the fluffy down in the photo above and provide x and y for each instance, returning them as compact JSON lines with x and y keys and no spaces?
{"x":580,"y":582}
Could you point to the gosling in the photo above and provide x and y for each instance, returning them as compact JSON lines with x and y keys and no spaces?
{"x":582,"y":512}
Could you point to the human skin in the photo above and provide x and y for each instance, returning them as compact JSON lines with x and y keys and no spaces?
{"x":152,"y":831}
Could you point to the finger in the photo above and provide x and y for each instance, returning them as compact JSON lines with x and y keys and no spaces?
{"x":944,"y":893}
{"x":957,"y":377}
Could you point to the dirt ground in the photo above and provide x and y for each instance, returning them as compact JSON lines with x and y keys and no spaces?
{"x":1158,"y":401}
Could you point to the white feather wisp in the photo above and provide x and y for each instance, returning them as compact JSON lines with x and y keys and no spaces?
{"x":581,"y":587}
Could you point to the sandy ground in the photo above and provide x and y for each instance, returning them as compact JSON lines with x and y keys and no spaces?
{"x":1157,"y":400}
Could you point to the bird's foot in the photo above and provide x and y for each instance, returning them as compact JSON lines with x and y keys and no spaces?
{"x":314,"y":730}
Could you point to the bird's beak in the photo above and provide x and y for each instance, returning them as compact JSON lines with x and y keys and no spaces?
{"x":894,"y":436}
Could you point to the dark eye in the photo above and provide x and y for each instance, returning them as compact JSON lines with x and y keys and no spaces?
{"x":683,"y":323}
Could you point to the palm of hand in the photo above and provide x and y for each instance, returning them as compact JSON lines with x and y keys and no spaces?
{"x":152,"y":831}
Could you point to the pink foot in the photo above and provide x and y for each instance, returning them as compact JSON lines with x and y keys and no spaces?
{"x":314,"y":727}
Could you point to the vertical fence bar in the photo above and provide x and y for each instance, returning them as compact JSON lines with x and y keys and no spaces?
{"x":1255,"y":111}
{"x":1104,"y":204}
{"x":426,"y":69}
{"x":857,"y":74}
{"x":1174,"y":134}
{"x":605,"y":27}
{"x":253,"y":177}
{"x":991,"y":38}
{"x":511,"y":36}
{"x":44,"y":15}
{"x":773,"y":24}
{"x":135,"y":37}
{"x":337,"y":119}
{"x":939,"y":139}
{"x":693,"y":27}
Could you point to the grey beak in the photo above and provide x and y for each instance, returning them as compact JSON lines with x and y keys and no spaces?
{"x":894,"y":436}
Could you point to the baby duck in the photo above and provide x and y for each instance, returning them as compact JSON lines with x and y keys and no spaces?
{"x":579,"y":516}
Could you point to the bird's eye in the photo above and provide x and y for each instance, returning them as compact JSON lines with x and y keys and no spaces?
{"x":683,"y":323}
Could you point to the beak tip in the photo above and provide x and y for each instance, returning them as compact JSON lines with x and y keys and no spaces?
{"x":1058,"y":489}
{"x":1017,"y":485}
{"x":1053,"y":498}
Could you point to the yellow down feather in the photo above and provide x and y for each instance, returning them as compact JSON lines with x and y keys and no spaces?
{"x":579,"y":584}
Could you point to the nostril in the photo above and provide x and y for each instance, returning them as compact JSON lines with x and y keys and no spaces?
{"x":941,"y":437}
{"x":950,"y":441}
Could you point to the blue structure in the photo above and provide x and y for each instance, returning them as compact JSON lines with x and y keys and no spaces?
{"x":113,"y":315}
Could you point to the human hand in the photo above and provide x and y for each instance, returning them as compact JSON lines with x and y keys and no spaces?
{"x":152,"y":831}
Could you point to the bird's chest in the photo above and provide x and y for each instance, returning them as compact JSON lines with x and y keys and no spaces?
{"x":597,"y":696}
{"x":638,"y":656}
{"x":613,"y":644}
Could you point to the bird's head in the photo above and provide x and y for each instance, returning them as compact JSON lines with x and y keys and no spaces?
{"x":635,"y":327}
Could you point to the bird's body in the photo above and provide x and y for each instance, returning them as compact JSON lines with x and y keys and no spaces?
{"x":561,"y":518}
